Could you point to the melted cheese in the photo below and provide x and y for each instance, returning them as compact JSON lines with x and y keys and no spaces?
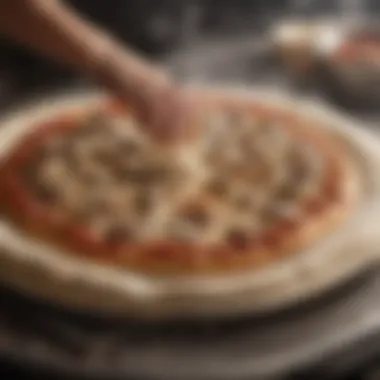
{"x":112,"y":179}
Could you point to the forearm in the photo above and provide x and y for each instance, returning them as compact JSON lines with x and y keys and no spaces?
{"x":53,"y":29}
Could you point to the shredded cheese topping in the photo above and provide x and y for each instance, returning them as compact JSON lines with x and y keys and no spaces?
{"x":106,"y":176}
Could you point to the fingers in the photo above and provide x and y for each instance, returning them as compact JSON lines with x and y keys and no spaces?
{"x":172,"y":117}
{"x":164,"y":110}
{"x":167,"y":115}
{"x":178,"y":122}
{"x":158,"y":109}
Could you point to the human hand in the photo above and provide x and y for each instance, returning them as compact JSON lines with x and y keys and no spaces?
{"x":166,"y":111}
{"x":55,"y":30}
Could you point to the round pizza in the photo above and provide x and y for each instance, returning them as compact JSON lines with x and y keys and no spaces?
{"x":94,"y":183}
{"x":257,"y":186}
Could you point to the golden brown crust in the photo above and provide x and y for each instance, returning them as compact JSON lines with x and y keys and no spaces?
{"x":321,"y":214}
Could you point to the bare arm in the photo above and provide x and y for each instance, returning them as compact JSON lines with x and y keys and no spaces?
{"x":53,"y":29}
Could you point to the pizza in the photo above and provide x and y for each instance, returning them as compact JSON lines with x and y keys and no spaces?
{"x":362,"y":48}
{"x":258,"y":185}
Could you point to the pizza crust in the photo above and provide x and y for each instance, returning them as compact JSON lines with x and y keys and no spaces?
{"x":245,"y":240}
{"x":64,"y":279}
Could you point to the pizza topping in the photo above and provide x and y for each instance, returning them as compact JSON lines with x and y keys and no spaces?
{"x":315,"y":205}
{"x":218,"y":126}
{"x":128,"y":148}
{"x":138,"y":176}
{"x":196,"y":215}
{"x":258,"y":182}
{"x":286,"y":191}
{"x":305,"y":162}
{"x":182,"y":232}
{"x":243,"y":202}
{"x":299,"y":171}
{"x":98,"y":225}
{"x":98,"y":180}
{"x":143,"y":203}
{"x":238,"y":238}
{"x":118,"y":235}
{"x":46,"y":193}
{"x":217,"y":187}
{"x":279,"y":211}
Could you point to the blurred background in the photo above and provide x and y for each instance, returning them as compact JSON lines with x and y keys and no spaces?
{"x":208,"y":40}
{"x":323,"y":49}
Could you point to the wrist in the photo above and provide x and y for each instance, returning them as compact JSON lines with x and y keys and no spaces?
{"x":126,"y":74}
